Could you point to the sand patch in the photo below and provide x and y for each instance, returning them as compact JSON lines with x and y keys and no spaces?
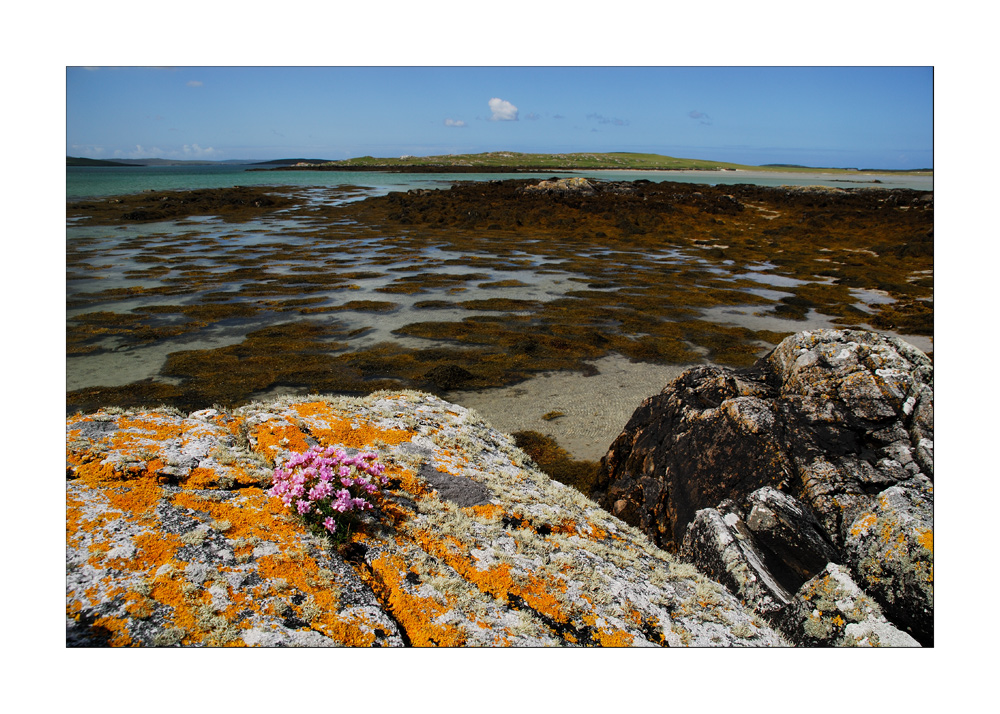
{"x":595,"y":408}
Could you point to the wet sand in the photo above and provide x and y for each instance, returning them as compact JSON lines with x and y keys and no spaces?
{"x":595,"y":408}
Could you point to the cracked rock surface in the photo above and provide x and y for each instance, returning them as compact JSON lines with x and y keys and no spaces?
{"x":172,"y":540}
{"x":820,"y":453}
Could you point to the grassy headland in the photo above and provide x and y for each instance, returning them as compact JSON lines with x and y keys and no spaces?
{"x":512,"y":162}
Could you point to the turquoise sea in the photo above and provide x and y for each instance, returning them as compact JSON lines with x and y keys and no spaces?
{"x":89,"y":182}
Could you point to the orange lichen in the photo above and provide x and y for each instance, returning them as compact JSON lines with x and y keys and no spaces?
{"x":415,"y":614}
{"x":118,"y":626}
{"x":137,"y":430}
{"x":496,"y":580}
{"x":254,"y":514}
{"x":594,"y":531}
{"x":486,"y":512}
{"x":271,"y":437}
{"x":608,"y":636}
{"x":408,"y":480}
{"x":864,"y":523}
{"x":358,"y":434}
{"x":200,"y":478}
{"x":151,"y":551}
{"x":926,"y":539}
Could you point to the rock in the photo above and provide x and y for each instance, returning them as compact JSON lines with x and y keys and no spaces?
{"x":831,"y":610}
{"x":720,"y":545}
{"x":828,"y":610}
{"x":891,"y":547}
{"x":563,"y":185}
{"x":709,"y":421}
{"x":841,"y":420}
{"x":788,"y":529}
{"x":469,"y":544}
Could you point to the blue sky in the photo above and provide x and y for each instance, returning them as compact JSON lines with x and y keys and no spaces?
{"x":861,"y":117}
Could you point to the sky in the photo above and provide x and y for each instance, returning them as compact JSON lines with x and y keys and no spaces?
{"x":851,"y":117}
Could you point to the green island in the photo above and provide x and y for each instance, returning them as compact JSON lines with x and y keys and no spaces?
{"x":512,"y":162}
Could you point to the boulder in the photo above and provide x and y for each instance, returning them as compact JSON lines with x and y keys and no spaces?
{"x":563,"y":185}
{"x":840,"y":422}
{"x":831,"y":610}
{"x":174,"y":540}
{"x":826,"y":610}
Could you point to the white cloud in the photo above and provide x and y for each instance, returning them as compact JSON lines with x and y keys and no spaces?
{"x":194,"y":83}
{"x":502,"y":110}
{"x":600,"y":119}
{"x":87,"y":149}
{"x":454,"y":122}
{"x":195,"y":150}
{"x":140,"y":152}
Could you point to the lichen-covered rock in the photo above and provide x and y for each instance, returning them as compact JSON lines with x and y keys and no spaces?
{"x":173,"y":540}
{"x":831,"y":610}
{"x":840,"y":419}
{"x":787,"y":528}
{"x":892,"y":549}
{"x":719,"y":543}
{"x":827,"y":610}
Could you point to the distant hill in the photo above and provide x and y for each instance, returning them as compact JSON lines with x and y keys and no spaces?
{"x":516,"y":161}
{"x":178,"y":162}
{"x":77,"y":161}
{"x":80,"y":161}
{"x":291,"y":162}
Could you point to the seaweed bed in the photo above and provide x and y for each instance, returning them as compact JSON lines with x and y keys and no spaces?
{"x":301,"y":276}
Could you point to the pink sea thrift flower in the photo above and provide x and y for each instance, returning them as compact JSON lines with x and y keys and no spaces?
{"x":307,"y":483}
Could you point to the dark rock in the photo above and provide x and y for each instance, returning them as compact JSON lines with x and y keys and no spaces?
{"x":457,"y":489}
{"x":842,"y":421}
{"x":708,"y":421}
{"x":789,"y":530}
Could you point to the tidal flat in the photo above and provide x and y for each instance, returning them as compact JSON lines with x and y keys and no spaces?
{"x":222,"y":296}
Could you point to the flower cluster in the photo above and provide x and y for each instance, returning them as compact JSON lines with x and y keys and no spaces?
{"x":326,"y":486}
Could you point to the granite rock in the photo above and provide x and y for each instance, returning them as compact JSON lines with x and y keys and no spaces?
{"x":173,"y":540}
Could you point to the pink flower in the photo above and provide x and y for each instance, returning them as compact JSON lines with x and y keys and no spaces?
{"x":330,"y":524}
{"x":320,"y":491}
